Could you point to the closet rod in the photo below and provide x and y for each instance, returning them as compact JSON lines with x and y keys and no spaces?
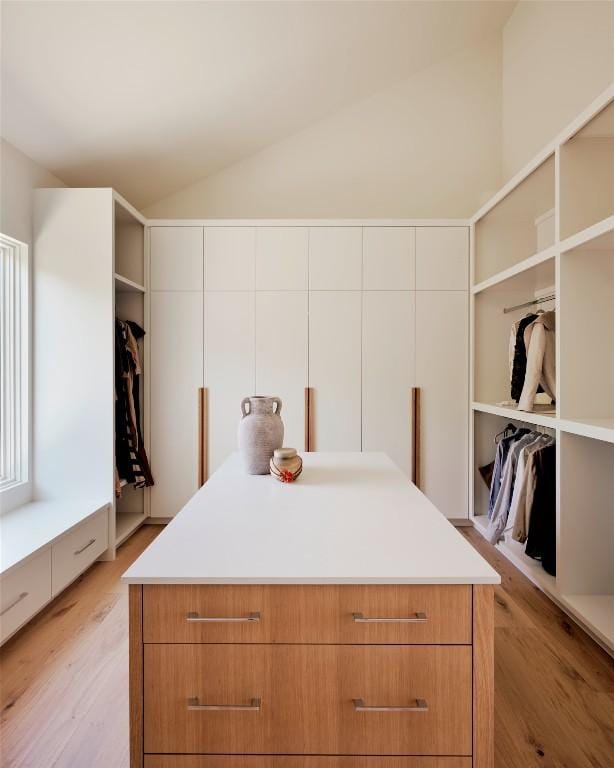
{"x":541,"y":300}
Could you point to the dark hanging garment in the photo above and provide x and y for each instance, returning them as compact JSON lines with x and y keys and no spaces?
{"x":541,"y":541}
{"x":131,"y":460}
{"x":519,"y":366}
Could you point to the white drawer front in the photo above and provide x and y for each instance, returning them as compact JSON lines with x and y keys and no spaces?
{"x":23,"y":592}
{"x":73,"y":553}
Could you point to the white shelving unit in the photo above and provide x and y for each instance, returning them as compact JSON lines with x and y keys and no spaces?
{"x":575,"y":176}
{"x":130,"y":297}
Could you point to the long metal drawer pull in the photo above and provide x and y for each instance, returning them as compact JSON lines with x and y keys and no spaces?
{"x":84,"y":547}
{"x":417,"y":618}
{"x":253,"y":706}
{"x":419,"y":706}
{"x":194,"y":617}
{"x":17,"y":600}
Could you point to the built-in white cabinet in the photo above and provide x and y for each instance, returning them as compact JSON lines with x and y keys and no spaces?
{"x":282,"y":356}
{"x":282,"y":258}
{"x":442,"y":258}
{"x":442,"y":349}
{"x":359,"y":315}
{"x":230,"y":258}
{"x":229,"y":349}
{"x":388,"y":373}
{"x":176,"y":259}
{"x":335,"y":369}
{"x":389,"y":258}
{"x":335,"y":258}
{"x":176,"y":372}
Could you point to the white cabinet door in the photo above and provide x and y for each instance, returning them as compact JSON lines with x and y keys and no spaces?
{"x":335,"y":369}
{"x":442,"y":258}
{"x":281,"y":258}
{"x":229,"y":366}
{"x":388,"y":357}
{"x":442,"y":375}
{"x":281,"y":356}
{"x":176,"y":372}
{"x":176,"y":258}
{"x":230,"y":258}
{"x":335,"y":258}
{"x":389,"y":258}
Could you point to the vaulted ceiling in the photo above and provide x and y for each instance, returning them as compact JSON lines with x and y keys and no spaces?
{"x":149,"y":97}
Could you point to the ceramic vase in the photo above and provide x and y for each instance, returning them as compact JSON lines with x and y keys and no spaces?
{"x":286,"y":465}
{"x":261,"y":431}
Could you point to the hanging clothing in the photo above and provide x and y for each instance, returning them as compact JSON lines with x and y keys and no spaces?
{"x":541,"y":541}
{"x":130,"y":457}
{"x":518,"y":516}
{"x":498,"y":521}
{"x":518,"y":356}
{"x":539,"y":340}
{"x":503,"y":447}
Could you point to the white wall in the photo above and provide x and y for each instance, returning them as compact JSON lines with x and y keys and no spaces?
{"x":557,"y":57}
{"x":19,"y":175}
{"x":427,"y":147}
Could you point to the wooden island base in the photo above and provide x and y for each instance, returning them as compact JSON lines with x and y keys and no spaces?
{"x":311,"y":676}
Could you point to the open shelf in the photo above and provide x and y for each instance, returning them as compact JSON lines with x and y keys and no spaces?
{"x":595,"y":613}
{"x":587,"y":332}
{"x":493,"y":325}
{"x":527,"y":265}
{"x":126,"y":523}
{"x":598,"y":429}
{"x":538,"y":418}
{"x":123,"y":285}
{"x":586,"y":575}
{"x":587,"y":177}
{"x":515,"y":228}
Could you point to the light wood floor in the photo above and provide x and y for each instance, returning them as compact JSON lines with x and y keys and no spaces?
{"x":64,"y":678}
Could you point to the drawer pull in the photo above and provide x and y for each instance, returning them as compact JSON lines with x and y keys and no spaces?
{"x":194,"y":617}
{"x":417,"y":618}
{"x":84,"y":547}
{"x":419,"y":706}
{"x":17,"y":600}
{"x":253,"y":706}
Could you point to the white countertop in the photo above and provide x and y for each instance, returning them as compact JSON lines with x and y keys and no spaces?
{"x":351,"y":518}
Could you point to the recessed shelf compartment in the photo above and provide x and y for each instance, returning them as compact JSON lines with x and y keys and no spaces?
{"x":586,"y":574}
{"x":126,"y":524}
{"x":587,"y":333}
{"x":507,"y":234}
{"x":123,"y":285}
{"x":493,"y":325}
{"x":587,"y":174}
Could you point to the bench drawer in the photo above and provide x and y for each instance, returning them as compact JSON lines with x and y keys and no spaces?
{"x":309,"y":761}
{"x":196,"y":613}
{"x":23,"y":592}
{"x":78,"y":549}
{"x":307,"y":699}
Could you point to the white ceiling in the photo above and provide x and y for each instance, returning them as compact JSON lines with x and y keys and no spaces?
{"x":149,"y":97}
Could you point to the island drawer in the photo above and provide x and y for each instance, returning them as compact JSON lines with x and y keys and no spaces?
{"x":307,"y":699}
{"x":370,"y":614}
{"x":302,"y":761}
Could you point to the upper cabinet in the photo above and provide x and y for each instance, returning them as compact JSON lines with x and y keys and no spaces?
{"x":389,"y":258}
{"x":176,"y":261}
{"x":335,"y":258}
{"x":230,"y":258}
{"x":282,"y":258}
{"x":442,"y":258}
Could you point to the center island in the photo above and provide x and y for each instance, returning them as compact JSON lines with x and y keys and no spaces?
{"x":337,"y":622}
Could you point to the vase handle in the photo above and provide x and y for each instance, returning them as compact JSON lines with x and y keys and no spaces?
{"x":244,"y":404}
{"x":277,"y":402}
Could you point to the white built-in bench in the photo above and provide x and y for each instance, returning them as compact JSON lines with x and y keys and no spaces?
{"x":44,"y":546}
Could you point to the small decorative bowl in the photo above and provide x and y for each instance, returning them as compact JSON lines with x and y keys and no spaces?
{"x":286,"y":465}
